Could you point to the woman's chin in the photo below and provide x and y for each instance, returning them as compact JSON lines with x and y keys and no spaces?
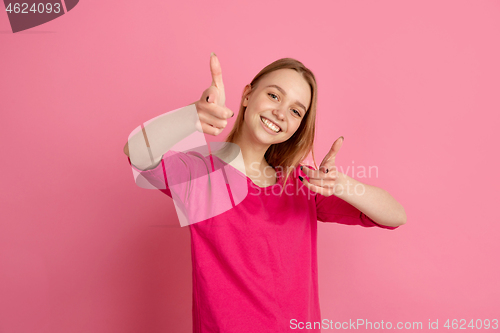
{"x":270,"y":140}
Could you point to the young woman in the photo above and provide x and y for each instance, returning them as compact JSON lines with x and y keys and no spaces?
{"x":255,"y":263}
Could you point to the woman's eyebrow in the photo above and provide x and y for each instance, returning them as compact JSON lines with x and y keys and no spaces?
{"x":284,"y":93}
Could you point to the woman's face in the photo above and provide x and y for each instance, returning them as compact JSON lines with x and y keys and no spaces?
{"x":281,"y":97}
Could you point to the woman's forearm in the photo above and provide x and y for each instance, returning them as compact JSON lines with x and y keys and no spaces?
{"x":373,"y":201}
{"x":146,"y":146}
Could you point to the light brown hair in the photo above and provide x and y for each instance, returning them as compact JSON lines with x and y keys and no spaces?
{"x":288,"y":154}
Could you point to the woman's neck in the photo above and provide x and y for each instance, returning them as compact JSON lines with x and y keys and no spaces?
{"x":253,"y":156}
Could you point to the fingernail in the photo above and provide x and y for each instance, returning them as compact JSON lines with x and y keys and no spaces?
{"x":326,"y":171}
{"x":232,"y":115}
{"x":301,"y":179}
{"x":211,"y":54}
{"x":342,"y":138}
{"x":301,"y":167}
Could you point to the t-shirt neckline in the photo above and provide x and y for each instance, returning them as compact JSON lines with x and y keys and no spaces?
{"x":249,"y":180}
{"x":278,"y":178}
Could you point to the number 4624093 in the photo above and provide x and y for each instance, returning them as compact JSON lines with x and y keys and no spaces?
{"x":35,"y":8}
{"x":477,"y":324}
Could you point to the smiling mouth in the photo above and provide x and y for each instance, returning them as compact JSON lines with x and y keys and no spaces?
{"x":272,"y":126}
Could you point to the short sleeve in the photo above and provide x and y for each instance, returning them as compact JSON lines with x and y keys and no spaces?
{"x":334,"y":209}
{"x":175,"y":169}
{"x":201,"y":186}
{"x":157,"y":177}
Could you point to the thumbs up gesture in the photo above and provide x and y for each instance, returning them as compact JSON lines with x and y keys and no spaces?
{"x":323,"y":181}
{"x":212,"y":111}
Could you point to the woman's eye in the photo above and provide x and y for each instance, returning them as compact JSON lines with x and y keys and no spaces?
{"x":294,"y":110}
{"x":271,"y":94}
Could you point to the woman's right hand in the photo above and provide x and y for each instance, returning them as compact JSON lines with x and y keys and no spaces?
{"x":212,"y":111}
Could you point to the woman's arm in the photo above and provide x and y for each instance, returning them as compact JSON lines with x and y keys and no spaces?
{"x":148,"y":143}
{"x":125,"y":148}
{"x":373,"y":201}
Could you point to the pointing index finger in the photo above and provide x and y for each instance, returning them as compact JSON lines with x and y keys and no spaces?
{"x":216,"y":71}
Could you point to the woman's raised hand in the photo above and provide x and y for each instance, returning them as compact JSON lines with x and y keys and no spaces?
{"x":212,"y":111}
{"x":326,"y":180}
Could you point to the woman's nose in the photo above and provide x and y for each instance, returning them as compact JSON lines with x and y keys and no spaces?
{"x":279,"y":113}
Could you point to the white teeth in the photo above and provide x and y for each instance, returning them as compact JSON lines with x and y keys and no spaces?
{"x":270,"y":125}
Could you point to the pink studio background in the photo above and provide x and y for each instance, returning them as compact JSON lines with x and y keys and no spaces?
{"x":413,"y":88}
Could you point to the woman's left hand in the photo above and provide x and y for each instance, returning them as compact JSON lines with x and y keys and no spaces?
{"x":323,"y":181}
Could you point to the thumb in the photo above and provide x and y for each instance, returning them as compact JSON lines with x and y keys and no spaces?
{"x":212,"y":95}
{"x":216,"y":72}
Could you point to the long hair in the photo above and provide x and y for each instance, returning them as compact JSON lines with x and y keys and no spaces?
{"x":288,"y":154}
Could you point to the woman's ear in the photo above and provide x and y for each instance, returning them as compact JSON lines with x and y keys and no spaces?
{"x":246,"y":94}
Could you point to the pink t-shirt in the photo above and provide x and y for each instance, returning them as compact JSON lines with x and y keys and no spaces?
{"x":255,"y":265}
